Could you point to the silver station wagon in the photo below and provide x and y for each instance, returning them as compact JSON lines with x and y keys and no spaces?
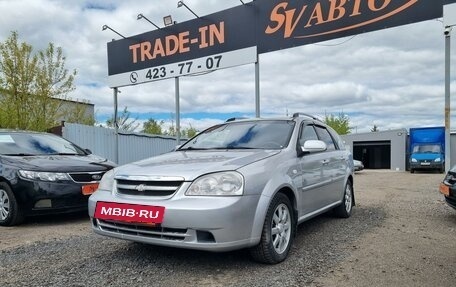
{"x":241,"y":184}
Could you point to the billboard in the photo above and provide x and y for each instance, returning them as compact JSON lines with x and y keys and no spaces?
{"x":235,"y":36}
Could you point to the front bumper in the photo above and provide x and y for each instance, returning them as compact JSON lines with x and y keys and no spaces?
{"x":426,"y":165}
{"x":451,"y":198}
{"x":39,"y":197}
{"x":192,"y":222}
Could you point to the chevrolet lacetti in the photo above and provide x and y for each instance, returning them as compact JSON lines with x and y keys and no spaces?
{"x":241,"y":184}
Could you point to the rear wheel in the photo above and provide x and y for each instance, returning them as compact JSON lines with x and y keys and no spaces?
{"x":344,"y":210}
{"x":10,"y":213}
{"x":278,"y":232}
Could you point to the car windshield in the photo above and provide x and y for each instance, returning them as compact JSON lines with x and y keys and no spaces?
{"x":244,"y":135}
{"x":431,"y":148}
{"x":36,"y":144}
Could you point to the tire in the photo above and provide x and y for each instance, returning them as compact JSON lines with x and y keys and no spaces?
{"x":10,"y":213}
{"x":344,"y":210}
{"x":278,"y":232}
{"x":412,"y":171}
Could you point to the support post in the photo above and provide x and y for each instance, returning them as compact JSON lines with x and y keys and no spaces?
{"x":116,"y":127}
{"x":177,"y":111}
{"x":447,"y":99}
{"x":257,"y":87}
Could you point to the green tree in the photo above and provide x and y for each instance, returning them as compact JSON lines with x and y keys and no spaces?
{"x":18,"y":70}
{"x":33,"y":87}
{"x":341,"y":123}
{"x":153,"y":127}
{"x":124,"y":121}
{"x":189,"y":132}
{"x":53,"y":81}
{"x":374,"y":129}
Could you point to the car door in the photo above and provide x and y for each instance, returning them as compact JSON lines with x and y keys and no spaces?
{"x":314,"y":179}
{"x":334,"y":166}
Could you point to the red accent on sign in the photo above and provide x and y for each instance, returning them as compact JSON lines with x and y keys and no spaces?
{"x":129,"y":212}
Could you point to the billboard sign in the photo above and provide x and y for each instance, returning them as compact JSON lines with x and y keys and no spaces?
{"x":237,"y":35}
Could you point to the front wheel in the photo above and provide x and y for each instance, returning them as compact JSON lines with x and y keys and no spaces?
{"x":278,"y":232}
{"x":344,"y":210}
{"x":10,"y":214}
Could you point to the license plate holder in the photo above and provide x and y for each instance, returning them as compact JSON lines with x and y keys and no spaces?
{"x":89,"y":189}
{"x":444,"y":189}
{"x":131,"y":213}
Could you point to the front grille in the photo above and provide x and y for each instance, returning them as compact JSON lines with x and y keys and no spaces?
{"x":86,"y":176}
{"x":147,"y":188}
{"x":159,"y":232}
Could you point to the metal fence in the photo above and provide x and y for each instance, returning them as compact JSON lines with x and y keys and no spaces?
{"x":131,"y":146}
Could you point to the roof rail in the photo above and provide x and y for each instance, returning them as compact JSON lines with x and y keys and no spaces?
{"x":296,"y":115}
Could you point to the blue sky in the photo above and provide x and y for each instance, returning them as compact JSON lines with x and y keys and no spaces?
{"x":392,"y":78}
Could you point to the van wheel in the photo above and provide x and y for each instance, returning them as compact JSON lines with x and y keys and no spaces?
{"x":344,"y":210}
{"x":10,"y":213}
{"x":278,"y":232}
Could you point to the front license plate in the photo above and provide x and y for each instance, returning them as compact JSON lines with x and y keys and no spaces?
{"x":129,"y":212}
{"x":88,"y":189}
{"x":425,"y":163}
{"x":444,"y":189}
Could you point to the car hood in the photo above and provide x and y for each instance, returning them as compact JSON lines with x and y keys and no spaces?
{"x":59,"y":163}
{"x":191,"y":164}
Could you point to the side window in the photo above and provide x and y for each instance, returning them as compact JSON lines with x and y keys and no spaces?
{"x":324,"y":135}
{"x":307,"y":133}
{"x":338,"y":140}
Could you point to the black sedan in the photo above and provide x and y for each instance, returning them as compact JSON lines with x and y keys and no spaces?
{"x":448,"y":187}
{"x":42,"y":173}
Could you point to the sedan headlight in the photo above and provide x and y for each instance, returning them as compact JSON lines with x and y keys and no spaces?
{"x":414,"y":160}
{"x":107,"y":181}
{"x":437,"y":159}
{"x":44,"y":176}
{"x":229,"y":183}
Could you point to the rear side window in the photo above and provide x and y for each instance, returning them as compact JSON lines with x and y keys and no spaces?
{"x":324,"y":135}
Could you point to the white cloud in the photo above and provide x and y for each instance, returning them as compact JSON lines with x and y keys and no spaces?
{"x":391,"y":78}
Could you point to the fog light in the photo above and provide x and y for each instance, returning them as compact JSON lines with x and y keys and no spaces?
{"x":43,"y":203}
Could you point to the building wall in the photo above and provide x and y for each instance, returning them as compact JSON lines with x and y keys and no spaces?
{"x":398,"y":139}
{"x":67,"y":105}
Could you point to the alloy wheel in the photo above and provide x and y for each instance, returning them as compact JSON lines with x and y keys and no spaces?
{"x":281,"y":228}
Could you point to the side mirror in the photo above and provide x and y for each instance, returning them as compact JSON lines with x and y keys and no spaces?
{"x":312,"y":146}
{"x":88,"y":151}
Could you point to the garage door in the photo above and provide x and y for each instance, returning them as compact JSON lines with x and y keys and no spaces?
{"x":374,"y":155}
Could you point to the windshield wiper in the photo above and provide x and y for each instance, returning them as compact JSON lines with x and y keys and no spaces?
{"x":235,"y":147}
{"x":18,"y":154}
{"x":64,"y":153}
{"x":191,"y":148}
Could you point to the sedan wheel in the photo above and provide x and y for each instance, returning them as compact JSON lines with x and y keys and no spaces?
{"x":344,"y":210}
{"x":4,"y":205}
{"x":10,"y":214}
{"x":278,"y":232}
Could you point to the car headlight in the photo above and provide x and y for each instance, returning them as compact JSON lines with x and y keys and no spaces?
{"x":437,"y":159}
{"x":107,"y":181}
{"x":229,"y":183}
{"x":414,"y":160}
{"x":44,"y":176}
